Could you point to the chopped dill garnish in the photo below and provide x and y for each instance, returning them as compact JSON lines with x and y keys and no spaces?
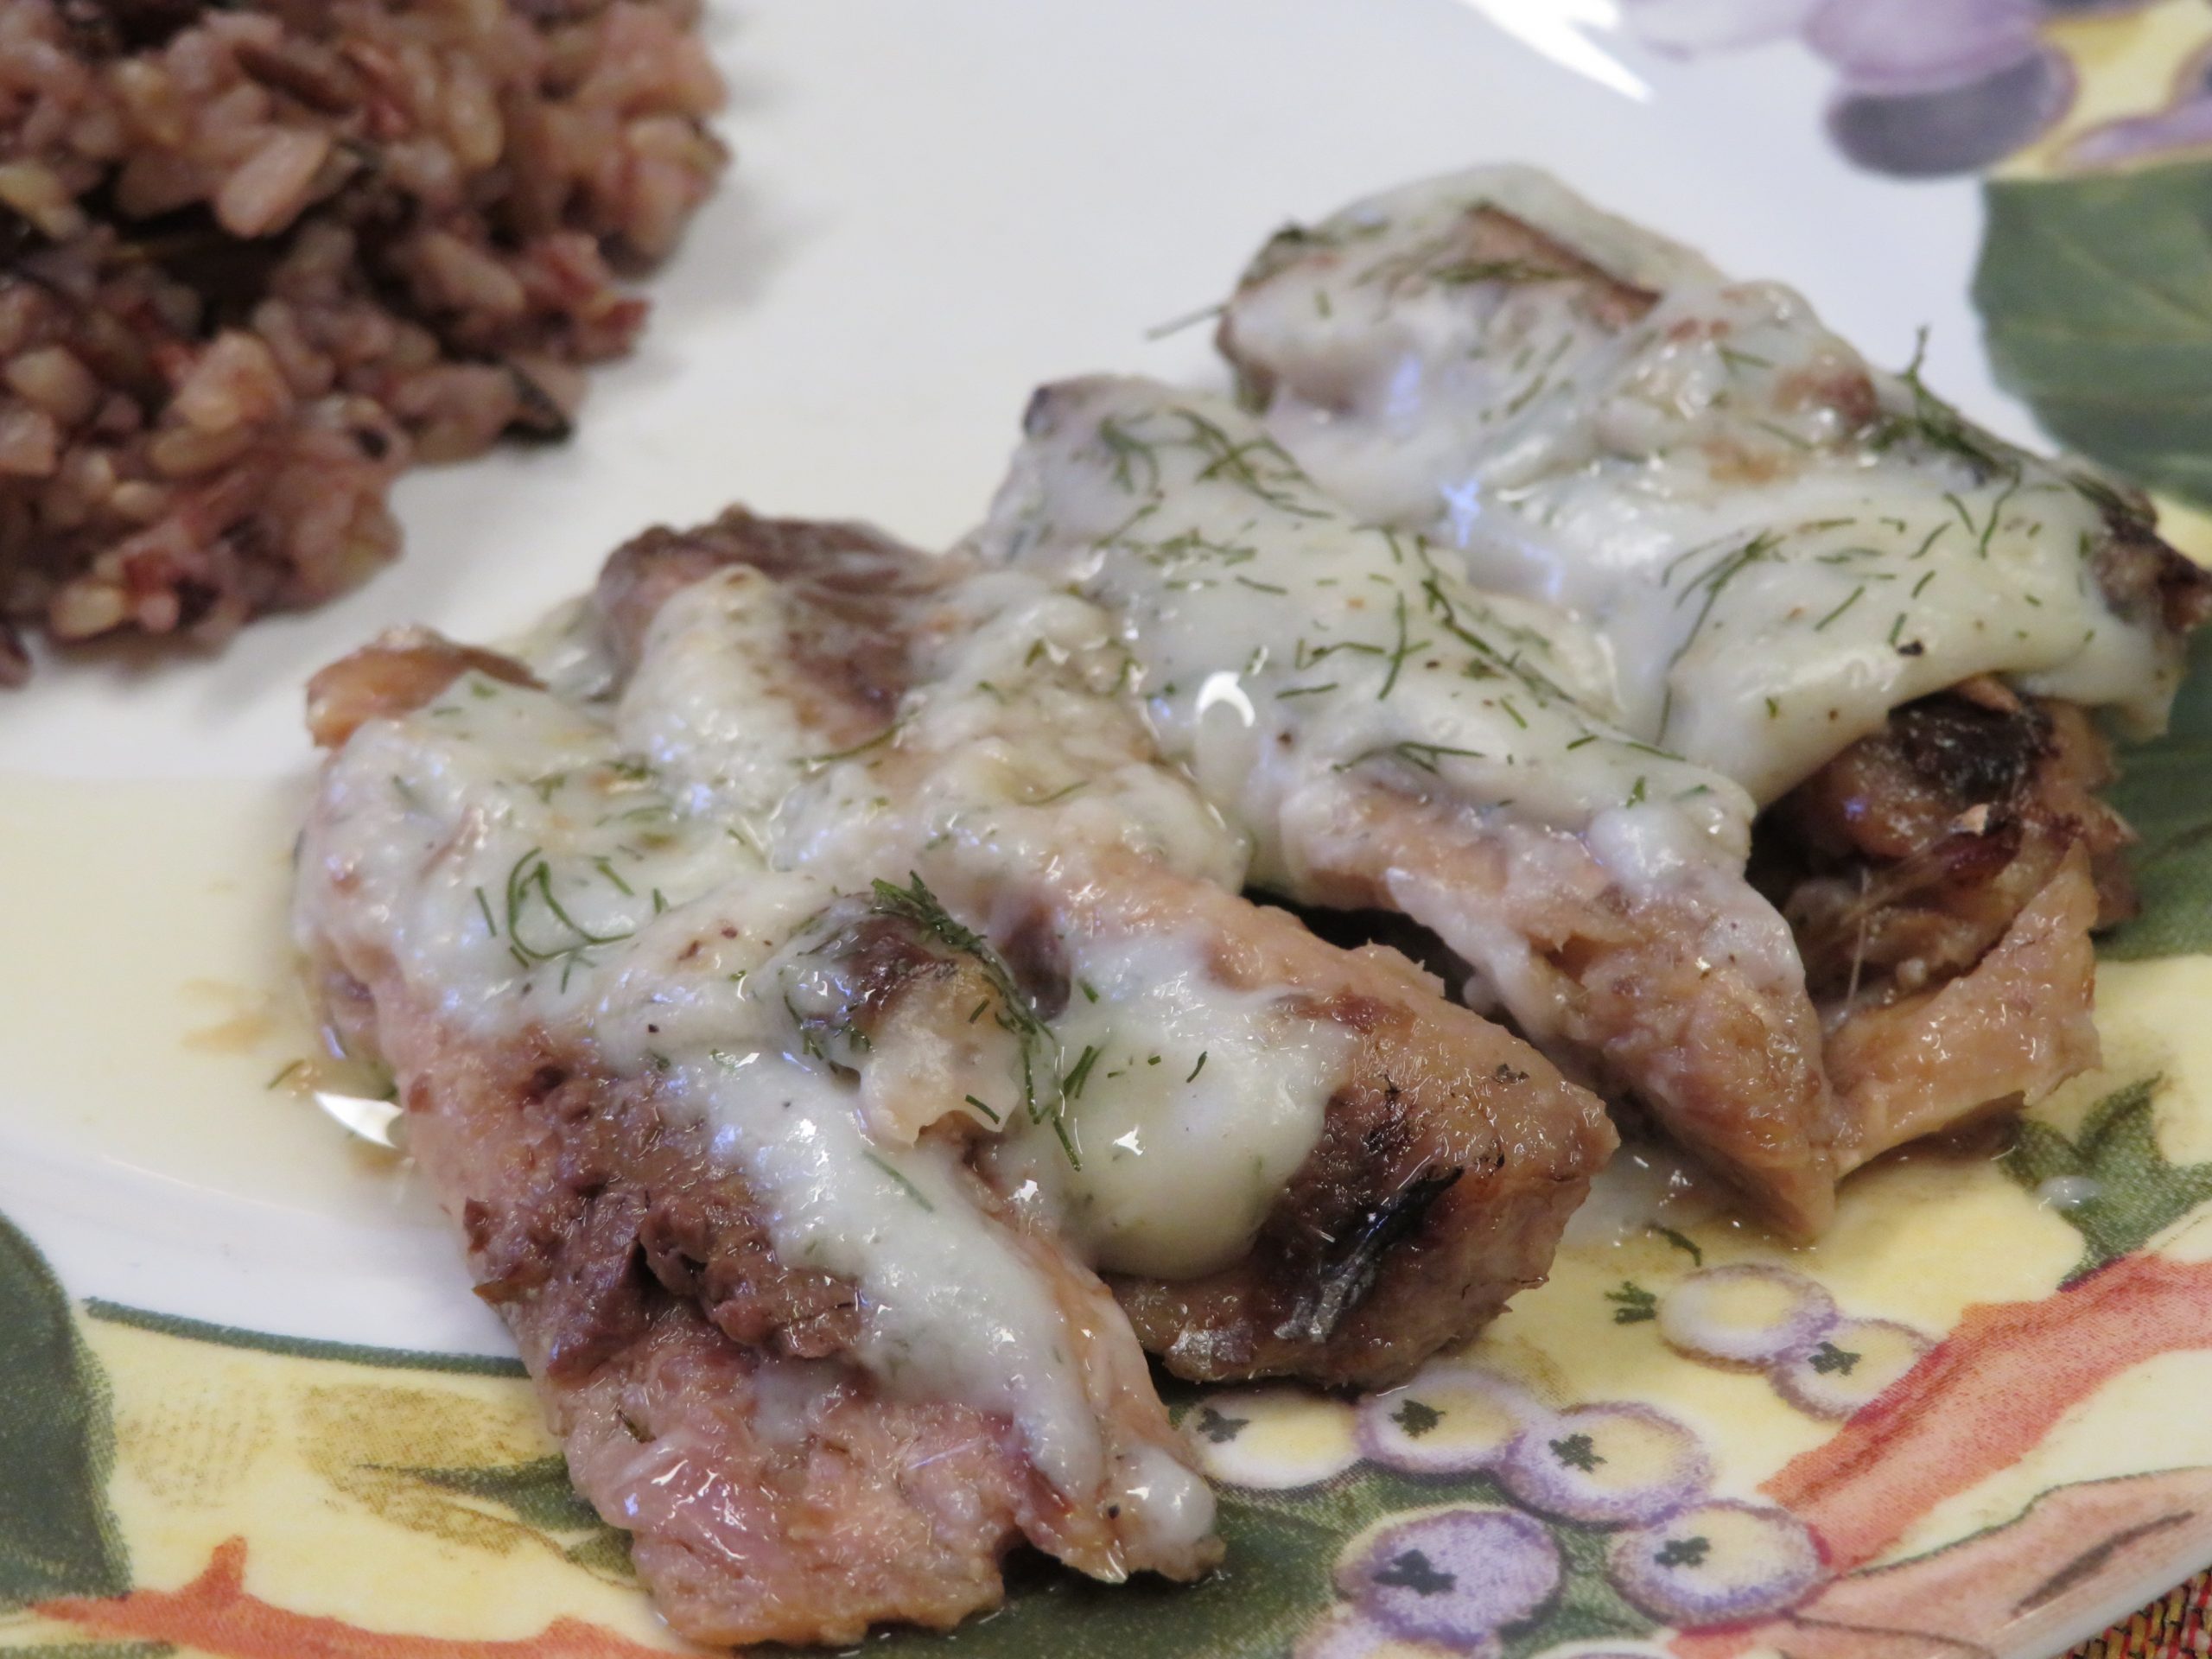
{"x":1996,"y":507}
{"x":1189,"y":320}
{"x":1199,"y":1067}
{"x":1941,"y":427}
{"x":1506,"y":703}
{"x":877,"y":741}
{"x":289,"y":1068}
{"x":1636,"y":796}
{"x":1126,"y":449}
{"x":530,"y":873}
{"x":1467,"y":271}
{"x":660,"y":903}
{"x":1856,"y":594}
{"x":1060,"y":794}
{"x":1308,"y":690}
{"x":980,"y":1107}
{"x":1090,"y":991}
{"x":491,"y":927}
{"x":1918,"y":586}
{"x":1401,"y":652}
{"x":1259,"y":587}
{"x":916,"y":904}
{"x":1079,"y":1073}
{"x":977,"y":1012}
{"x":606,"y":868}
{"x":1425,"y":755}
{"x":911,"y":1191}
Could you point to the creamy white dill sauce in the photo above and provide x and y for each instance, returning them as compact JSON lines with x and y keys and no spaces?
{"x":663,"y":871}
{"x":1174,"y":1102}
{"x":1284,"y":644}
{"x":1770,"y":578}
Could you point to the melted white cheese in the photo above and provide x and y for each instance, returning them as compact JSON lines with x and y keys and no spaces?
{"x":1176,"y":1102}
{"x":1283,"y":643}
{"x":661,"y":872}
{"x":1770,"y":577}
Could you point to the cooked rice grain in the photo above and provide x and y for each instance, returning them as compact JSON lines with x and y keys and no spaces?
{"x":255,"y":257}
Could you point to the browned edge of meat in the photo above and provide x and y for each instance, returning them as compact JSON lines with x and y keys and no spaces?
{"x":702,"y":1389}
{"x":1449,"y":1162}
{"x":1943,"y":877}
{"x":698,"y":1386}
{"x":1492,"y":243}
{"x":1450,"y":1159}
{"x":1649,"y":990}
{"x":393,"y":677}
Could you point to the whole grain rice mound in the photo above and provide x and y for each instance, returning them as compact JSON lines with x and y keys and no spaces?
{"x":257,"y":257}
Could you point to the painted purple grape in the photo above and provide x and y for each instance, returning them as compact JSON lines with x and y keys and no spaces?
{"x":1688,"y":27}
{"x":1959,"y":128}
{"x":1344,"y":1632}
{"x":1450,"y":1420}
{"x":1614,"y":1464}
{"x":1922,"y":45}
{"x":1745,"y":1315}
{"x":1452,"y":1576}
{"x":1854,"y":1362}
{"x":1715,"y":1564}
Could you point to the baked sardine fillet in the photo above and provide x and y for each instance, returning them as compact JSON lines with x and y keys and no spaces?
{"x":1815,"y":577}
{"x":803,"y":978}
{"x":1288,"y":1158}
{"x":1392,"y":736}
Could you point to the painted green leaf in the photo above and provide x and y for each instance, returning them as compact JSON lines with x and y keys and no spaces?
{"x":537,"y":1492}
{"x":2165,"y":792}
{"x":2137,"y":1193}
{"x":56,"y":1536}
{"x":2095,"y":294}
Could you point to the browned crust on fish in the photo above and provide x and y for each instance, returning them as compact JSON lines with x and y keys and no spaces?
{"x":1452,"y":1157}
{"x":405,"y":668}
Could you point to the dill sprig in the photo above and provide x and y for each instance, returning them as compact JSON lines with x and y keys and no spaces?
{"x":901,"y":1176}
{"x":1939,"y":426}
{"x":917,"y":905}
{"x":532,"y":874}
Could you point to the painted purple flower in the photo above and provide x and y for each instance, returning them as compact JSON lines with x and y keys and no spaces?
{"x":1922,"y":45}
{"x":1688,"y":27}
{"x":1962,"y":129}
{"x":1450,"y":1420}
{"x":1613,"y":1464}
{"x":1716,"y":1563}
{"x":1928,"y":87}
{"x":1850,"y":1365}
{"x":1452,"y":1576}
{"x":1344,"y":1632}
{"x":1745,"y":1315}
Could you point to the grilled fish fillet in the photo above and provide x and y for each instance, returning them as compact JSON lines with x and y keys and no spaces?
{"x":1784,"y":551}
{"x":805,"y":980}
{"x":1394,"y":737}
